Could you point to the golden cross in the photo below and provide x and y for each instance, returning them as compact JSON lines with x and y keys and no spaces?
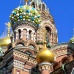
{"x":26,"y":0}
{"x":8,"y":24}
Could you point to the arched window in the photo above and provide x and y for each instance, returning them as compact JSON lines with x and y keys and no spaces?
{"x":65,"y":60}
{"x":43,"y":6}
{"x":48,"y":34}
{"x":33,"y":4}
{"x":32,"y":46}
{"x":19,"y":33}
{"x":56,"y":65}
{"x":14,"y":35}
{"x":20,"y":44}
{"x":30,"y":34}
{"x":40,"y":6}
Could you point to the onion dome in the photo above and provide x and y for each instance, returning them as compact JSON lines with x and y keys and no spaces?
{"x":45,"y":55}
{"x":24,"y":14}
{"x":72,"y":40}
{"x":5,"y":41}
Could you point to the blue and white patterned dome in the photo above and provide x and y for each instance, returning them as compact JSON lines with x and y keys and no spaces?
{"x":25,"y":13}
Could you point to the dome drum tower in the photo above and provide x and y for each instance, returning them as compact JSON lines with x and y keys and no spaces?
{"x":25,"y":21}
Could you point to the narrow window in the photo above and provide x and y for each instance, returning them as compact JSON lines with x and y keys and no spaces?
{"x":19,"y":33}
{"x":48,"y":34}
{"x":30,"y":34}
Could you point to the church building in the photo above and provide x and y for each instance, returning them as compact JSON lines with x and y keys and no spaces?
{"x":31,"y":44}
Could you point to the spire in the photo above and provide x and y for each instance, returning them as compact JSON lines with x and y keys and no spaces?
{"x":9,"y":26}
{"x":26,"y":1}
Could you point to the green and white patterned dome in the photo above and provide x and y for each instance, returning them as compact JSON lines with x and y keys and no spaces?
{"x":72,"y":40}
{"x":25,"y":13}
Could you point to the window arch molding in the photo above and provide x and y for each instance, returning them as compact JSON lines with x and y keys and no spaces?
{"x":20,"y":44}
{"x":32,"y":46}
{"x":33,"y":4}
{"x":65,"y":60}
{"x":43,"y":6}
{"x":56,"y":65}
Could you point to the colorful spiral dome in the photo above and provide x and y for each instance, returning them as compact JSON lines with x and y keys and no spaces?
{"x":25,"y":13}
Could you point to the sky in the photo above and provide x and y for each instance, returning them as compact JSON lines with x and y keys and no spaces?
{"x":61,"y":10}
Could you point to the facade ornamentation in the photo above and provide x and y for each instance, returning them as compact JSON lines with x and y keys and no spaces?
{"x":31,"y":47}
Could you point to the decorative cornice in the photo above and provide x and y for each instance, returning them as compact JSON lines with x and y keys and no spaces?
{"x":44,"y":63}
{"x":45,"y":66}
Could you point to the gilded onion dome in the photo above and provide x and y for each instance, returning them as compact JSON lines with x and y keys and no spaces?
{"x":25,"y":13}
{"x":45,"y":55}
{"x":5,"y":41}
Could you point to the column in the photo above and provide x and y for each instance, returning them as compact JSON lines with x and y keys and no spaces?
{"x":21,"y":33}
{"x":17,"y":35}
{"x":32,"y":36}
{"x":27,"y":34}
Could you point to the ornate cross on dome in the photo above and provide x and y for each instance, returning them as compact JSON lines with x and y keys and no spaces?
{"x":26,"y":1}
{"x":9,"y":26}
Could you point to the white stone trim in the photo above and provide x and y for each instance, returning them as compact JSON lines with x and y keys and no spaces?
{"x":26,"y":70}
{"x":44,"y":63}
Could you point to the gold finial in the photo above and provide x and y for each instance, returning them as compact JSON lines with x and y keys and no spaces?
{"x":26,"y":1}
{"x":8,"y":24}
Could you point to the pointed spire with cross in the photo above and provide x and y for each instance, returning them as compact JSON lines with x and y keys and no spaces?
{"x":9,"y":26}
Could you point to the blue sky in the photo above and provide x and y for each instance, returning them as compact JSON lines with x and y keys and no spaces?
{"x":61,"y":10}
